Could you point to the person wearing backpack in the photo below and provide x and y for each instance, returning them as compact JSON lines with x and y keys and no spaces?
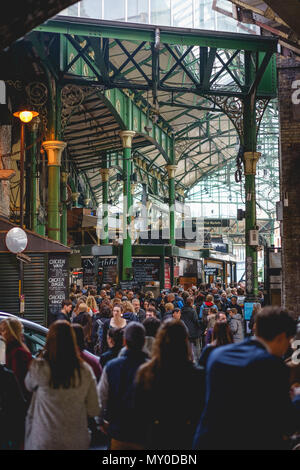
{"x":189,"y":318}
{"x":97,"y":326}
{"x":203,"y":314}
{"x":204,"y":309}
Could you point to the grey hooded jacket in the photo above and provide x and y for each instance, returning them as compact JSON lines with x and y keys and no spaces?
{"x":236,"y":327}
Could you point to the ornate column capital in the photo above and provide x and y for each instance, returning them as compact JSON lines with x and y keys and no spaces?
{"x":75,"y":196}
{"x":54,"y":150}
{"x":104,"y":174}
{"x":64,"y":176}
{"x":127,"y":137}
{"x":171,"y":169}
{"x":250,"y":161}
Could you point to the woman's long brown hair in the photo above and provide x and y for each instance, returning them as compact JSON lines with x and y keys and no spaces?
{"x":222,"y":334}
{"x":171,"y":350}
{"x":62,"y":355}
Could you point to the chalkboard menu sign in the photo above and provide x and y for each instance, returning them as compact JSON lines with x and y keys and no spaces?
{"x":210,"y":271}
{"x":88,"y":271}
{"x":128,"y":285}
{"x":109,"y":268}
{"x":146,"y":270}
{"x":58,"y":281}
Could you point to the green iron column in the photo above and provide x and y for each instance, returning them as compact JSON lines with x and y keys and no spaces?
{"x":105,"y":177}
{"x":171,"y":169}
{"x":33,"y":175}
{"x":251,"y":158}
{"x":64,"y":216}
{"x":171,"y":173}
{"x":127,"y":137}
{"x":54,"y":150}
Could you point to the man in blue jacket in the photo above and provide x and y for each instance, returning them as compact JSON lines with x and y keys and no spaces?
{"x":247,"y":404}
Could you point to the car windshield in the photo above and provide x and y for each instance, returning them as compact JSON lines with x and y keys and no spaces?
{"x":35,"y":341}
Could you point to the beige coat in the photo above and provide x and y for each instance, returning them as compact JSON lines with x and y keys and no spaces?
{"x":57,"y":418}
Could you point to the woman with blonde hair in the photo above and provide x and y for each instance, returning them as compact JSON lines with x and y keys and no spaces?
{"x":92,"y":304}
{"x":127,"y":306}
{"x":65,"y":394}
{"x":18,"y":356}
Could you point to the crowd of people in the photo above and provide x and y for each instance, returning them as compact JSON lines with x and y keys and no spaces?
{"x":181,"y":370}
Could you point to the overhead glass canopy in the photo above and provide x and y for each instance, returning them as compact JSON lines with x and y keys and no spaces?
{"x":178,"y":13}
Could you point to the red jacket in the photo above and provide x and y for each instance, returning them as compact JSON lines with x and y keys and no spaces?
{"x":93,"y":362}
{"x":18,"y":360}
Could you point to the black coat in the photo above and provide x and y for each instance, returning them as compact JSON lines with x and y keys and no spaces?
{"x":12,"y":411}
{"x":174,"y":402}
{"x":190,"y":319}
{"x":121,"y":373}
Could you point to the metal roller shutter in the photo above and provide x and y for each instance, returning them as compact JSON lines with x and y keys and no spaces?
{"x":9,"y":283}
{"x":35,"y":283}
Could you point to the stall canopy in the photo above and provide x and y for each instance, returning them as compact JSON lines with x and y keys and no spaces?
{"x":36,"y":243}
{"x":45,"y":276}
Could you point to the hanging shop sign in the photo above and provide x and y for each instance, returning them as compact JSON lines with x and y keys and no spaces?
{"x":58,"y":281}
{"x":215,"y":223}
{"x":218,"y":246}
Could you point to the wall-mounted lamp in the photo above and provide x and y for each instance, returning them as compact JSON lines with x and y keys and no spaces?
{"x":25,"y":116}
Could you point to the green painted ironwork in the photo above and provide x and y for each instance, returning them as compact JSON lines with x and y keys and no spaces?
{"x":53,"y":202}
{"x":186,"y":49}
{"x":127,"y":207}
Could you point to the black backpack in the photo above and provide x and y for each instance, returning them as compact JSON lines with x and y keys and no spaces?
{"x":97,"y":345}
{"x":12,"y":410}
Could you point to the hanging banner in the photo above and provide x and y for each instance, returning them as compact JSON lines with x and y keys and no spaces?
{"x":167,"y":277}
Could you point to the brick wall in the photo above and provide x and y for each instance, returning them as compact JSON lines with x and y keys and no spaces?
{"x":5,"y":148}
{"x":289,"y":115}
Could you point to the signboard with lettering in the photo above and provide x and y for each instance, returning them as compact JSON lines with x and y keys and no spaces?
{"x":210,"y":271}
{"x":58,"y":281}
{"x":109,"y":267}
{"x":128,"y":285}
{"x":216,"y":223}
{"x":248,"y":309}
{"x":218,"y":246}
{"x":88,"y":271}
{"x":167,"y":276}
